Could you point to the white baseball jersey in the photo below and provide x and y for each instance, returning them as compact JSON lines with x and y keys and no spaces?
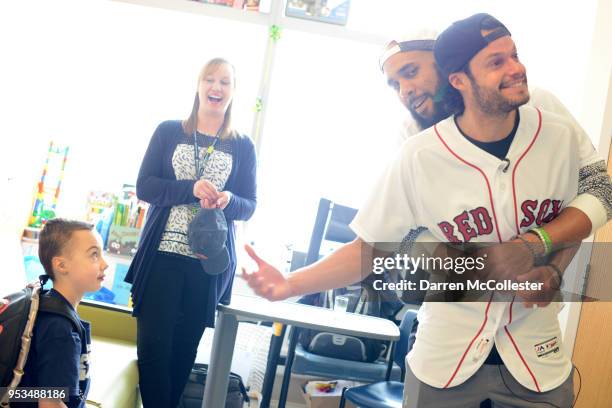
{"x":461,"y":193}
{"x":543,"y":100}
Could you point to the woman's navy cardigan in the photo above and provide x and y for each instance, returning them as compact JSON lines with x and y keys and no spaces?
{"x":158,"y":186}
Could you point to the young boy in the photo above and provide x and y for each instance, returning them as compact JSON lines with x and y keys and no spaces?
{"x":59,"y":357}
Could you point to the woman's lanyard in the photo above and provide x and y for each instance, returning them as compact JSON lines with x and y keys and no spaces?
{"x":196,"y":152}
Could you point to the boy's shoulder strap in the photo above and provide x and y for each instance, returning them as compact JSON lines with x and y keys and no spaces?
{"x":55,"y":305}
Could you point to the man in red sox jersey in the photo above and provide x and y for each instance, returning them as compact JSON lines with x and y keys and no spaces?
{"x":486,"y":174}
{"x":409,"y":68}
{"x":495,"y":170}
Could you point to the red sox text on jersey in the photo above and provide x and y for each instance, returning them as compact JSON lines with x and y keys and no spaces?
{"x":478,"y":222}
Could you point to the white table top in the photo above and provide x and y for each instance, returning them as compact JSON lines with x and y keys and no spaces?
{"x":311,"y":317}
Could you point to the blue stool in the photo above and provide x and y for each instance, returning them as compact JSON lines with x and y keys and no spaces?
{"x":385,"y":394}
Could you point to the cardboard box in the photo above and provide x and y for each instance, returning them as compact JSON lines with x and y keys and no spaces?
{"x":319,"y":399}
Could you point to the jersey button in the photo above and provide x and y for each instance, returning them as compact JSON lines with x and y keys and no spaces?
{"x":502,"y":187}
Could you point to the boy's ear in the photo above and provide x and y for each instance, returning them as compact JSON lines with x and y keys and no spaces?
{"x":59,"y":264}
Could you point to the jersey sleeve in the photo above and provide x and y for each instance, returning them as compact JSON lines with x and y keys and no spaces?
{"x":545,"y":100}
{"x":594,"y":194}
{"x":388,"y":213}
{"x":594,"y":191}
{"x":594,"y":188}
{"x":58,"y":350}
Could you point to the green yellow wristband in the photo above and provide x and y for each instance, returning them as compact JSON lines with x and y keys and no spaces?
{"x":545,"y":238}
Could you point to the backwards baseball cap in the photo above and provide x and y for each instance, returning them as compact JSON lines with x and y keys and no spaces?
{"x":207,"y":234}
{"x":458,"y":44}
{"x":420,"y":41}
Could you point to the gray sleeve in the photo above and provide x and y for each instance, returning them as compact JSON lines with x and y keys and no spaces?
{"x":594,"y":180}
{"x":410,"y":239}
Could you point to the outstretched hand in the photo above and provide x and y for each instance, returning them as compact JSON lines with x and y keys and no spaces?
{"x":266,"y":281}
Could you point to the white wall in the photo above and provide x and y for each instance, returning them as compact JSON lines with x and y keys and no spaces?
{"x":596,"y":118}
{"x":596,"y":115}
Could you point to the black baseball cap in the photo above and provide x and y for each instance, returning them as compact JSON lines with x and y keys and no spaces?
{"x":207,"y":235}
{"x":459,"y":43}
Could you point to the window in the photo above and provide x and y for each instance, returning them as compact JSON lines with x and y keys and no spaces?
{"x":331,"y":124}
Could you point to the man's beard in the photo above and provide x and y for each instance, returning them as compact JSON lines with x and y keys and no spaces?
{"x":492,"y":102}
{"x":439,"y":114}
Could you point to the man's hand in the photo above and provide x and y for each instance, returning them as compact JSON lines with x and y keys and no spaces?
{"x":267,"y":281}
{"x":507,"y":260}
{"x":551,"y":284}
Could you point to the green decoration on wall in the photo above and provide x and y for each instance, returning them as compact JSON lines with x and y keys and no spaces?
{"x":258,"y":105}
{"x":275,"y":32}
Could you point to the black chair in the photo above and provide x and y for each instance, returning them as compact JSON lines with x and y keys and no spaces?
{"x":331,"y":224}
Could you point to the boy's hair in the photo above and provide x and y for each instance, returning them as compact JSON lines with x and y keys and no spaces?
{"x":53,"y":239}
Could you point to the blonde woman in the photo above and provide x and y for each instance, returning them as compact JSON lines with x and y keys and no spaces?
{"x":200,"y":161}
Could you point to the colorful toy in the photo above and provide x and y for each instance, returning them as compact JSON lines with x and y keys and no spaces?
{"x":46,"y":199}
